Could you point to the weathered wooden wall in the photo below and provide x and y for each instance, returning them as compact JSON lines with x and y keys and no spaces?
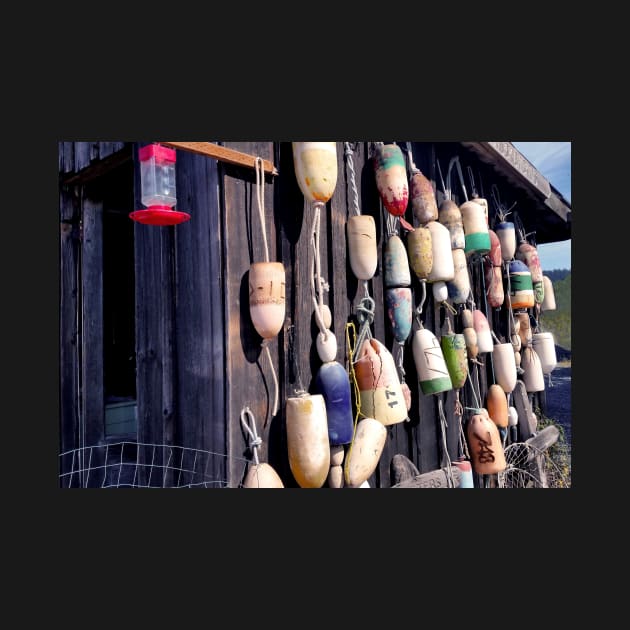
{"x":199,"y":359}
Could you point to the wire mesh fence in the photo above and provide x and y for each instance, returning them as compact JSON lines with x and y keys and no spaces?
{"x":141,"y":465}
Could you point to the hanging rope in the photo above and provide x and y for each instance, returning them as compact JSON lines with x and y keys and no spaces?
{"x":447,"y":191}
{"x":365,"y":317}
{"x":413,"y":169}
{"x":455,"y":161}
{"x":418,"y":310}
{"x":446,"y":459}
{"x":472,"y":182}
{"x":353,"y":186}
{"x":260,"y":196}
{"x":318,"y":284}
{"x":256,"y":441}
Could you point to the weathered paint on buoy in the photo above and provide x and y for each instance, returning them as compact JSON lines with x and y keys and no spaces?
{"x":307,"y":440}
{"x":549,"y":299}
{"x":396,"y":263}
{"x":455,"y":357}
{"x":380,"y":391}
{"x":335,"y":474}
{"x":431,"y":367}
{"x":496,"y":404}
{"x":391,"y":178}
{"x":450,"y":216}
{"x":398,"y":302}
{"x":459,"y":287}
{"x":467,"y":318}
{"x":495,"y":293}
{"x":521,"y":288}
{"x":484,"y":204}
{"x":486,"y":449}
{"x":420,"y":251}
{"x":545,"y":346}
{"x":315,"y":166}
{"x":423,"y":202}
{"x":482,"y":328}
{"x":524,"y":329}
{"x":365,"y":452}
{"x":475,"y":228}
{"x":495,"y":249}
{"x":362,"y":245}
{"x":504,"y":366}
{"x":470,"y":337}
{"x":465,"y":468}
{"x":267,"y":297}
{"x":333,"y":383}
{"x":507,"y":237}
{"x":529,"y":255}
{"x":262,"y":476}
{"x":442,"y":269}
{"x":533,"y":376}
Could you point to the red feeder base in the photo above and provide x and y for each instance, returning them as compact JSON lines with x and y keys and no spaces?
{"x":159,"y":216}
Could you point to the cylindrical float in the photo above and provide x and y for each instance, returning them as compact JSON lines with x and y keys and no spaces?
{"x":504,"y":366}
{"x":335,"y":474}
{"x":493,"y":273}
{"x":459,"y":287}
{"x":528,"y":254}
{"x":307,"y":440}
{"x":398,"y":302}
{"x":450,"y":216}
{"x":507,"y":237}
{"x":431,"y":367}
{"x":333,"y":383}
{"x":267,"y":297}
{"x":482,"y":328}
{"x":497,"y":406}
{"x":486,"y":449}
{"x":380,"y":391}
{"x":362,"y":246}
{"x":315,"y":165}
{"x":533,"y":376}
{"x":524,"y":328}
{"x":423,"y":202}
{"x":470,"y":337}
{"x":484,"y":204}
{"x":549,"y":298}
{"x":456,"y":358}
{"x":545,"y":346}
{"x":391,"y":178}
{"x":365,"y":451}
{"x":465,"y":468}
{"x":442,"y":269}
{"x":521,"y":289}
{"x":475,"y":228}
{"x":262,"y":476}
{"x":396,"y":263}
{"x":420,"y":251}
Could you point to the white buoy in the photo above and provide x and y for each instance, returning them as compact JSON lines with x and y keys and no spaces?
{"x":545,"y":346}
{"x":504,"y":366}
{"x":533,"y":376}
{"x":362,"y":245}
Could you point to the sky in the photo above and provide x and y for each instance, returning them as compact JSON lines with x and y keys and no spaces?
{"x":553,"y":160}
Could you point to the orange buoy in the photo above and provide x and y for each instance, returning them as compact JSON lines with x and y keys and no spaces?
{"x":380,"y":391}
{"x":497,"y":406}
{"x":315,"y":166}
{"x":307,"y":440}
{"x":486,"y":449}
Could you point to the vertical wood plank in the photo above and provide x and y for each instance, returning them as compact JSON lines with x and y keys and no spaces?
{"x":81,"y":155}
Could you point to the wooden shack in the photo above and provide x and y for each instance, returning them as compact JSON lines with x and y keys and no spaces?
{"x":158,"y":355}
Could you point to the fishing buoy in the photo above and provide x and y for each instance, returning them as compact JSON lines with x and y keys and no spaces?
{"x":524,"y":329}
{"x":391,"y":178}
{"x":532,"y":371}
{"x":482,"y":328}
{"x":494,"y":273}
{"x":440,"y":292}
{"x":307,"y":440}
{"x":549,"y":298}
{"x":362,"y":246}
{"x":333,"y":383}
{"x":545,"y":346}
{"x":431,"y":367}
{"x":504,"y":366}
{"x":398,"y":302}
{"x":484,"y":204}
{"x":365,"y":451}
{"x":459,"y":287}
{"x":315,"y":166}
{"x":497,"y":406}
{"x":521,"y":288}
{"x":423,"y":202}
{"x":381,"y":395}
{"x":465,"y":468}
{"x":442,"y":269}
{"x":262,"y":476}
{"x":335,"y":474}
{"x":475,"y":228}
{"x":326,"y":344}
{"x":528,"y":254}
{"x":396,"y":263}
{"x":495,"y":249}
{"x":450,"y":216}
{"x":507,"y":237}
{"x":470,"y":337}
{"x":420,"y":252}
{"x":456,"y":358}
{"x":267,"y":297}
{"x":486,"y":449}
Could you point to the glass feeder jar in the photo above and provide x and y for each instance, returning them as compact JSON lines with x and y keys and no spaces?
{"x":157,"y":184}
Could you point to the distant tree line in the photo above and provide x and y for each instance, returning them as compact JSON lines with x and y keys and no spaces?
{"x":557,"y":274}
{"x":558,"y":322}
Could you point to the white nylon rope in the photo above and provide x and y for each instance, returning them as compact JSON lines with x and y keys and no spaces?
{"x":318,"y":284}
{"x":256,"y":441}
